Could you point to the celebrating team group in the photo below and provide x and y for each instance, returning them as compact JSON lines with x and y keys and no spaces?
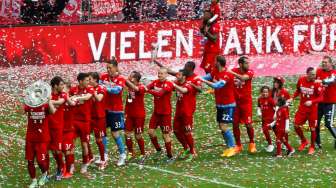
{"x":95,"y":104}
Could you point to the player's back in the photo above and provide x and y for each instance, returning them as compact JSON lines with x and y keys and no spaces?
{"x":224,"y":95}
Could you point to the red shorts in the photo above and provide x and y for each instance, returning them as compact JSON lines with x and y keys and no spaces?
{"x":243,"y":114}
{"x":266,"y":122}
{"x":99,"y":127}
{"x":82,"y":129}
{"x":135,"y":123}
{"x":162,"y":121}
{"x":280,"y":134}
{"x":56,"y":139}
{"x":68,"y":140}
{"x":184,"y":123}
{"x":36,"y":149}
{"x":302,"y":116}
{"x":209,"y":61}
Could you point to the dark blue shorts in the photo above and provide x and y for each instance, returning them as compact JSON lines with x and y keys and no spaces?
{"x":115,"y":120}
{"x":225,"y":114}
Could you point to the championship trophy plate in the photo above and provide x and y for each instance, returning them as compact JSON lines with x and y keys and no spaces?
{"x":37,"y":94}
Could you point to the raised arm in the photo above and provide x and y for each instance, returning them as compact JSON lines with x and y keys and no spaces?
{"x":131,"y":85}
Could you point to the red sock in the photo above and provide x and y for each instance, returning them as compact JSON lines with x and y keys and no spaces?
{"x":101,"y":150}
{"x":180,"y":137}
{"x":278,"y":147}
{"x":155,"y":142}
{"x":267,"y":135}
{"x":190,"y":141}
{"x":85,"y":159}
{"x":59,"y":160}
{"x":129,"y":144}
{"x":169,"y":149}
{"x":313,"y":138}
{"x":48,"y":160}
{"x":31,"y":169}
{"x":236,"y":133}
{"x":90,"y":151}
{"x":289,"y":147}
{"x":141,"y":144}
{"x":299,"y":131}
{"x":286,"y":136}
{"x":44,"y":166}
{"x":250,"y":132}
{"x":69,"y":160}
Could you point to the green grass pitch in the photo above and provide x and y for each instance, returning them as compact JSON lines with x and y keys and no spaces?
{"x":208,"y":170}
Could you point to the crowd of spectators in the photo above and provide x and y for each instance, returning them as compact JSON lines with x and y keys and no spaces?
{"x":43,"y":11}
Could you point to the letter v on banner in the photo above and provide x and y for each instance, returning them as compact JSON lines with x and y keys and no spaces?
{"x":97,"y":52}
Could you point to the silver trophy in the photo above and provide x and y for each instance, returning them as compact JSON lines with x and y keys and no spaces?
{"x":37,"y":94}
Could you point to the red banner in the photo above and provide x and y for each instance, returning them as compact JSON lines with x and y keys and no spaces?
{"x":276,"y":46}
{"x":106,"y":7}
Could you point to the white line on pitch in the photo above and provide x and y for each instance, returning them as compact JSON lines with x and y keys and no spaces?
{"x":186,"y":175}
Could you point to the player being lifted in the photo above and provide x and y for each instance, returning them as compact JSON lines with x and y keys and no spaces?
{"x":211,"y":30}
{"x":135,"y":114}
{"x":185,"y":109}
{"x":161,"y":89}
{"x":82,"y":115}
{"x":243,"y":95}
{"x":310,"y":93}
{"x":37,"y":141}
{"x":98,"y":121}
{"x":114,"y":106}
{"x":223,"y":83}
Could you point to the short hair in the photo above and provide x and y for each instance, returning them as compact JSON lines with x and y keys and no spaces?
{"x":136,"y":75}
{"x":184,"y":72}
{"x":81,"y":76}
{"x":113,"y":62}
{"x":329,"y":58}
{"x":95,"y":76}
{"x":242,"y":59}
{"x":309,"y":69}
{"x":56,"y":81}
{"x":264,"y":87}
{"x":221,"y":59}
{"x":281,"y":101}
{"x":190,"y":64}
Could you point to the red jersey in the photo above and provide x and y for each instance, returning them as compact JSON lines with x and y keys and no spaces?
{"x":215,"y":9}
{"x":37,"y":129}
{"x":243,"y":89}
{"x":113,"y":102}
{"x":213,"y":46}
{"x":308,"y":91}
{"x":82,"y":111}
{"x":56,"y":119}
{"x":186,"y":102}
{"x":135,"y":105}
{"x":329,"y":95}
{"x":98,"y":107}
{"x":224,"y":95}
{"x":267,"y":106}
{"x":281,"y":116}
{"x":68,"y":118}
{"x":281,"y":93}
{"x":162,"y":92}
